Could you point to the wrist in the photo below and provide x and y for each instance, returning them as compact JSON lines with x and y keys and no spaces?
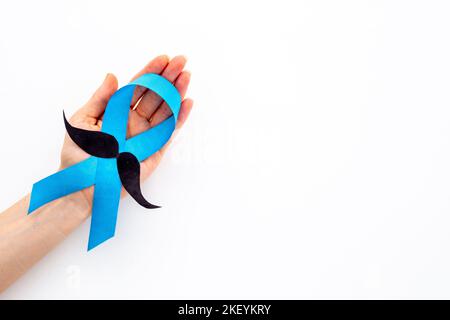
{"x":78,"y":204}
{"x":81,"y":201}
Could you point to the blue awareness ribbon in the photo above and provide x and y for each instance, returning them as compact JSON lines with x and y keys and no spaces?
{"x":103,"y":172}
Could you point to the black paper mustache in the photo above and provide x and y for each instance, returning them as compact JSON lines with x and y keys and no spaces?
{"x":103,"y":145}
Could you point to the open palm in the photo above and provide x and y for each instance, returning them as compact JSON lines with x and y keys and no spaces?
{"x":146,"y":111}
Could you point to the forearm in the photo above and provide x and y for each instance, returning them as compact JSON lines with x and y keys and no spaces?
{"x":25,"y":239}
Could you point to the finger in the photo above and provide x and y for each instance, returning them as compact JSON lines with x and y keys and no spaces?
{"x":96,"y":105}
{"x":185,"y":110}
{"x":164,"y":112}
{"x":150,"y":164}
{"x":151,"y":101}
{"x":157,"y":65}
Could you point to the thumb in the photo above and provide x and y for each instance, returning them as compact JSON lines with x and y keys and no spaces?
{"x":97,"y":104}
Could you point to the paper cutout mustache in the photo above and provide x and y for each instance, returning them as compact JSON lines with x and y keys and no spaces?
{"x":104,"y":145}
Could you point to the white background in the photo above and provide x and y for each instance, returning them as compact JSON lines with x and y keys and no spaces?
{"x":316,"y":163}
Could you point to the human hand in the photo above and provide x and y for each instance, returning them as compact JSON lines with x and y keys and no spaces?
{"x":147,"y":111}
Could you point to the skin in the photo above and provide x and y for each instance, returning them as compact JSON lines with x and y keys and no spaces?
{"x":25,"y":239}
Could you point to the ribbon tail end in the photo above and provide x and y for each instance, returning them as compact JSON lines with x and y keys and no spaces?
{"x":95,"y":240}
{"x":33,"y":205}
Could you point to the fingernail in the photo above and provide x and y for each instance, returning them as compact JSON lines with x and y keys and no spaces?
{"x":181,"y":56}
{"x":106,"y":77}
{"x":165,"y":57}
